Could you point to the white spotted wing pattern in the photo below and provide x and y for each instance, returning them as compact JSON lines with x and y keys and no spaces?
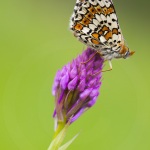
{"x":94,"y":23}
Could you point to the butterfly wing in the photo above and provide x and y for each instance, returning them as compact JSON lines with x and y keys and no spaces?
{"x":94,"y":22}
{"x":81,"y":24}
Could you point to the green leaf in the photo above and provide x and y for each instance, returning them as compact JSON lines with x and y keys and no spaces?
{"x":65,"y":146}
{"x":58,"y":139}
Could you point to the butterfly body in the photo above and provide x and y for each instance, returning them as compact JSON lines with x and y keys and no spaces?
{"x":94,"y":23}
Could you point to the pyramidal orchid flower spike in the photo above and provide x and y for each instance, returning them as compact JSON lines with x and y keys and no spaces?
{"x":76,"y":88}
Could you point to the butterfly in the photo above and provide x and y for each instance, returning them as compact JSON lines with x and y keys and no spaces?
{"x":95,"y":23}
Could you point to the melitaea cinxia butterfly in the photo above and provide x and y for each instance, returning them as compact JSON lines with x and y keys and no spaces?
{"x":95,"y":23}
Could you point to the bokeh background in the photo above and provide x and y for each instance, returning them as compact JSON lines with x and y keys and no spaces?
{"x":35,"y":42}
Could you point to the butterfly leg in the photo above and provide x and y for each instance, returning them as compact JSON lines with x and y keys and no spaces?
{"x":89,"y":58}
{"x":104,"y":70}
{"x":110,"y":65}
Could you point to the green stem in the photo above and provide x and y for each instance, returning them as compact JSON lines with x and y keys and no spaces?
{"x":59,"y":136}
{"x":60,"y":126}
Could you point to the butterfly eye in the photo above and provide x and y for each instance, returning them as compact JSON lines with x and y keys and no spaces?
{"x":127,"y":54}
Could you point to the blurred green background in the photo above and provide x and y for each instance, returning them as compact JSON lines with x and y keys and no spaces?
{"x":35,"y":42}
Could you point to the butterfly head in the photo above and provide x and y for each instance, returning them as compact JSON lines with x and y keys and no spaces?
{"x":126,"y":52}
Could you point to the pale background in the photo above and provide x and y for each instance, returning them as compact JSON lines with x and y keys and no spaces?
{"x":34,"y":43}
